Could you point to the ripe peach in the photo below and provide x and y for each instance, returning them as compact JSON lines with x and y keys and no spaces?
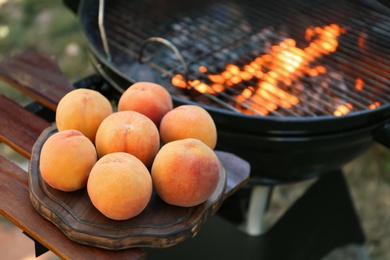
{"x":66,"y":159}
{"x":188,"y":121}
{"x":83,"y":110}
{"x":119,"y":186}
{"x":185,"y":172}
{"x":130,"y":132}
{"x":149,"y":99}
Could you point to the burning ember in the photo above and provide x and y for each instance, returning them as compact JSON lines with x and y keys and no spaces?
{"x":269,"y":77}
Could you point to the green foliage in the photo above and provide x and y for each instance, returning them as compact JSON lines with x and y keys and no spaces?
{"x":48,"y":26}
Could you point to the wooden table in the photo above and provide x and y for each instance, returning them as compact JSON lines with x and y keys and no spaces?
{"x":37,"y":75}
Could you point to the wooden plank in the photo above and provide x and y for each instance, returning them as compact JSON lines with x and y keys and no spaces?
{"x":37,"y":75}
{"x":15,"y":205}
{"x":19,"y":128}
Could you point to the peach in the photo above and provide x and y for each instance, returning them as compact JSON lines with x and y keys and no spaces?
{"x":188,"y":121}
{"x":66,"y":160}
{"x":119,"y":186}
{"x":130,"y":132}
{"x":82,"y":110}
{"x":185,"y":172}
{"x":149,"y":99}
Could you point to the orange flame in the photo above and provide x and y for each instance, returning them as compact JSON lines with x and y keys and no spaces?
{"x":374,"y":105}
{"x":283,"y":64}
{"x":342,"y":109}
{"x":359,"y":84}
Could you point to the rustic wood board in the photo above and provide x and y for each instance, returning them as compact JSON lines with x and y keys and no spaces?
{"x":159,"y":225}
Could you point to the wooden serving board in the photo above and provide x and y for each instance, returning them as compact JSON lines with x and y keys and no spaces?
{"x":159,"y":225}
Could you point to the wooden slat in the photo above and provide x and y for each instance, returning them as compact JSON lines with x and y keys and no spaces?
{"x":14,"y":189}
{"x":37,"y":75}
{"x":19,"y":128}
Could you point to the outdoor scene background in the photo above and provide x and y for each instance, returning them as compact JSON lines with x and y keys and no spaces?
{"x":47,"y":25}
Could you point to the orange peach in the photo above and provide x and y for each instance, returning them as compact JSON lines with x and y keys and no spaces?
{"x":130,"y":132}
{"x":83,"y":110}
{"x":66,"y":160}
{"x":119,"y":186}
{"x":149,"y":99}
{"x":185,"y":172}
{"x":188,"y":121}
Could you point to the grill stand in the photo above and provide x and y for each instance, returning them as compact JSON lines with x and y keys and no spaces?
{"x":321,"y":220}
{"x":258,"y":201}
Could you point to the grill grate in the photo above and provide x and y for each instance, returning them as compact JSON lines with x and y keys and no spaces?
{"x":214,"y":34}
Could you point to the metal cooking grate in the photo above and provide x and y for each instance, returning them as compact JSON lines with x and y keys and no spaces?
{"x":214,"y":34}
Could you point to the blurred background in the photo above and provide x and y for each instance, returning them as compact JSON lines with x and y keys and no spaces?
{"x":48,"y":26}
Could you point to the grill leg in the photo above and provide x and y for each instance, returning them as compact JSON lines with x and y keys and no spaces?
{"x":320,"y":221}
{"x":257,"y":206}
{"x":323,"y":219}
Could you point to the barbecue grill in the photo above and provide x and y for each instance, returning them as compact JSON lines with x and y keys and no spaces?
{"x":297,"y":88}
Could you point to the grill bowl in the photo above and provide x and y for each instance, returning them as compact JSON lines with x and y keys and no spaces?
{"x":280,"y":149}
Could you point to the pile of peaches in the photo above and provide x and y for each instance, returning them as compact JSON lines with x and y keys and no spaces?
{"x":122,"y":153}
